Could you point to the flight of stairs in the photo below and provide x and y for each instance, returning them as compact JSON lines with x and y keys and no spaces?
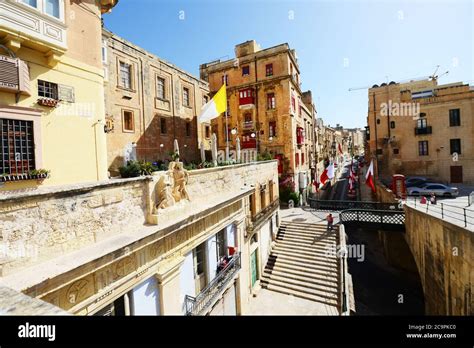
{"x":300,"y":265}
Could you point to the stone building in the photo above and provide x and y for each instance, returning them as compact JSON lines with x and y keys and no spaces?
{"x":125,"y":247}
{"x":150,"y":103}
{"x":51,"y":93}
{"x":422,"y":128}
{"x":265,"y":107}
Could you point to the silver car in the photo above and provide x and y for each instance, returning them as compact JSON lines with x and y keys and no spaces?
{"x":437,"y":189}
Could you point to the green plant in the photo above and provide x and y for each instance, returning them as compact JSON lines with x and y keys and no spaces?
{"x":36,"y":172}
{"x":174,"y":155}
{"x":295,"y":197}
{"x":225,"y":163}
{"x":265,"y":156}
{"x":130,"y":170}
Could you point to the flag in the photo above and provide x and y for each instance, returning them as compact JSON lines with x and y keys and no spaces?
{"x":216,"y":106}
{"x":369,"y":177}
{"x":340,"y":148}
{"x":351,"y":177}
{"x":328,"y":174}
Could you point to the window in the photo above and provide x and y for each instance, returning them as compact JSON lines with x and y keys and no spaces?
{"x":160,"y":88}
{"x":163,"y":125}
{"x":248,"y":118}
{"x":205,"y":99}
{"x":221,"y":245}
{"x":272,"y":129}
{"x":396,"y":151}
{"x":245,"y":70}
{"x":378,"y":121}
{"x":188,"y":129}
{"x":269,"y":70}
{"x":246,"y":96}
{"x":207,"y":131}
{"x":52,"y":8}
{"x":421,"y":123}
{"x":47,"y":90}
{"x":128,"y":121}
{"x":32,"y":3}
{"x":302,"y":158}
{"x":271,"y":101}
{"x":200,"y":257}
{"x":17,"y":147}
{"x":454,"y":118}
{"x":392,"y":124}
{"x":186,"y":96}
{"x":293,"y":103}
{"x":225,"y":79}
{"x":297,"y":159}
{"x":263,"y":201}
{"x":125,"y":75}
{"x":423,"y":148}
{"x":104,"y":51}
{"x":455,"y":145}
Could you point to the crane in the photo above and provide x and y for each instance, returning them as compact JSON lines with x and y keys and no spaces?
{"x":432,"y":77}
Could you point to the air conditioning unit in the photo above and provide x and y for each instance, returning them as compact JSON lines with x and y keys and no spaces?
{"x":14,"y":76}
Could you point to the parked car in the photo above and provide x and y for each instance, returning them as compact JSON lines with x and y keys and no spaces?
{"x":438,"y":189}
{"x":416,"y":181}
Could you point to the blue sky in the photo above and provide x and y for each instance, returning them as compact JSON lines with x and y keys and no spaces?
{"x":340,"y":44}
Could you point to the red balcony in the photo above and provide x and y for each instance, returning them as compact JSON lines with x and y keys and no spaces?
{"x":299,"y":136}
{"x":248,"y":142}
{"x":246,"y":96}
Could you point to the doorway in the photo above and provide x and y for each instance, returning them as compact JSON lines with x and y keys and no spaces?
{"x":456,"y":174}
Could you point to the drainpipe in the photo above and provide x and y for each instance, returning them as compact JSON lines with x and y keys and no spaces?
{"x":143,"y":125}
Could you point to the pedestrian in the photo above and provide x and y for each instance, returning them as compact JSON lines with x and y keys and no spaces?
{"x":433,"y":198}
{"x":330,"y":221}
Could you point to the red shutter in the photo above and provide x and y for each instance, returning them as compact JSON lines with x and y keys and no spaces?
{"x":280,"y":163}
{"x":297,"y":159}
{"x":302,"y":158}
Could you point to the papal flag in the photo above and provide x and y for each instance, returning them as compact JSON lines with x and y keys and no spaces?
{"x":216,"y":106}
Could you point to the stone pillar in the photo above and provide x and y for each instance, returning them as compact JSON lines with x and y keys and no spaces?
{"x":171,"y":302}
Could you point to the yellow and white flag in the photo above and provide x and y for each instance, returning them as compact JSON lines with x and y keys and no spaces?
{"x":216,"y":106}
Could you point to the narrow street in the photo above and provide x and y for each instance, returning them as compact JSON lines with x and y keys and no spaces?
{"x":379,"y":288}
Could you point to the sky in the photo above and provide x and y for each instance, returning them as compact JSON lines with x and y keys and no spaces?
{"x":340,"y":44}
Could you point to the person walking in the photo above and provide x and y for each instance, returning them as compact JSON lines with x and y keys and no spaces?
{"x":433,"y":198}
{"x":330,"y":221}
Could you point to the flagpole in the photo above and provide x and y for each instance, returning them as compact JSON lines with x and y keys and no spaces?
{"x":226,"y":123}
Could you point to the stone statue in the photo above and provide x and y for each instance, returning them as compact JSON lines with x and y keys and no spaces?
{"x":180,"y":179}
{"x":174,"y":189}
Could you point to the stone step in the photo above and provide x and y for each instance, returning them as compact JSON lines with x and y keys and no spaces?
{"x":320,"y":249}
{"x":312,"y":235}
{"x":291,"y":267}
{"x":299,"y":291}
{"x":307,"y":255}
{"x":295,"y":242}
{"x":305,"y":278}
{"x":305,"y":263}
{"x":322,"y":229}
{"x":301,"y":224}
{"x":310,"y":287}
{"x":307,"y":241}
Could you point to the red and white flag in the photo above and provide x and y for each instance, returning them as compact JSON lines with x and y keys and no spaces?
{"x":352,"y":178}
{"x":340,"y":148}
{"x":369,"y":176}
{"x":328,"y":174}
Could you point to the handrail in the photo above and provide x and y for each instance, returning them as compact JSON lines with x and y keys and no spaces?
{"x":197,"y":305}
{"x":344,"y":290}
{"x":345,"y":205}
{"x":460,"y":214}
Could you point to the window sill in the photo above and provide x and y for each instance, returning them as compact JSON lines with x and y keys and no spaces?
{"x":188,"y":106}
{"x":163,"y":100}
{"x":126,"y":89}
{"x":128,"y":131}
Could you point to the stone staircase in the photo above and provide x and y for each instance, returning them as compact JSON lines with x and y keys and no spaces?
{"x":300,"y":264}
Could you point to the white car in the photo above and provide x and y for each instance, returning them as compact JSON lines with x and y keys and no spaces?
{"x":437,"y":189}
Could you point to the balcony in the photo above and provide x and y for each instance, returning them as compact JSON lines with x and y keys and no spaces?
{"x":248,"y":125}
{"x":26,"y":25}
{"x":207,"y":297}
{"x":262,"y":216}
{"x":424,"y":130}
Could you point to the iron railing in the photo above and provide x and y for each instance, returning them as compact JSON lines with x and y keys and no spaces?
{"x":382,"y":217}
{"x":461,"y":215}
{"x":345,"y":205}
{"x":207,"y":297}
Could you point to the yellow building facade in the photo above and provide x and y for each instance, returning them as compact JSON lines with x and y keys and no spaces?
{"x":51,"y":96}
{"x":424,"y":129}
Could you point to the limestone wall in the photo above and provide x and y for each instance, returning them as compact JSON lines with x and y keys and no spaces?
{"x":39,"y":225}
{"x":444,"y":254}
